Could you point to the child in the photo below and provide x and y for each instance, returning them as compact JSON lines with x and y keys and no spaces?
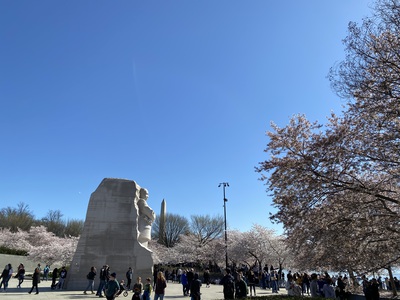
{"x":147,"y":290}
{"x":121,"y":287}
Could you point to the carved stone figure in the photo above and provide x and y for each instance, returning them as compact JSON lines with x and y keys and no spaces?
{"x":117,"y":217}
{"x":145,"y":219}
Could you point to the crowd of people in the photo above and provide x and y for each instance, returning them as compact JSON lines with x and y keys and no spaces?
{"x":237,"y":283}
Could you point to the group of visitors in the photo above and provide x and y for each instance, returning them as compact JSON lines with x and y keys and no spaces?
{"x":110,"y":287}
{"x":190,"y":283}
{"x":234,"y":285}
{"x":8,"y":271}
{"x":61,"y":274}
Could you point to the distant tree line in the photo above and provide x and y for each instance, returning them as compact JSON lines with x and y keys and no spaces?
{"x":21,"y":217}
{"x":198,"y":240}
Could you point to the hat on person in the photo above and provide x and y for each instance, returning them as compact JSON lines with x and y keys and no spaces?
{"x":113,"y":274}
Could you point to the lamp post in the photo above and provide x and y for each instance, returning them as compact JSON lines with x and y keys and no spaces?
{"x":224,"y":185}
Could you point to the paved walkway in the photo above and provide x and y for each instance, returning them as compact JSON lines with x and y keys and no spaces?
{"x":173,"y":291}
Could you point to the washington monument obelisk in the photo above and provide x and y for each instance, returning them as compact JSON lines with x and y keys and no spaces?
{"x":162,"y":221}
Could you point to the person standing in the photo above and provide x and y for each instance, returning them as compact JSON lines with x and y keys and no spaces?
{"x":54,"y":276}
{"x":179,"y":273}
{"x":161,"y":284}
{"x":252,"y":283}
{"x":190,"y":277}
{"x":46,"y":271}
{"x":35,"y":280}
{"x":206,"y":277}
{"x":112,"y":287}
{"x":129,"y":276}
{"x":314,"y":286}
{"x":195,"y":288}
{"x":138,"y":287}
{"x":184,"y":283}
{"x":147,"y":289}
{"x":328,"y":290}
{"x":228,"y":284}
{"x":374,"y":289}
{"x":8,"y":277}
{"x":63,"y":275}
{"x":90,"y":277}
{"x":240,"y":287}
{"x":274,"y":281}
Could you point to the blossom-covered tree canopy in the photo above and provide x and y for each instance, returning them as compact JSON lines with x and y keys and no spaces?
{"x":336,"y":185}
{"x":41,"y":245}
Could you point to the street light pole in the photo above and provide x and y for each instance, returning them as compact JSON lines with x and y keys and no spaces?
{"x":224,"y":185}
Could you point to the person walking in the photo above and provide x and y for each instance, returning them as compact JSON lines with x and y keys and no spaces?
{"x":20,"y":275}
{"x":112,"y":287}
{"x":35,"y":280}
{"x":90,"y":277}
{"x":3,"y":277}
{"x":161,"y":284}
{"x":104,"y":274}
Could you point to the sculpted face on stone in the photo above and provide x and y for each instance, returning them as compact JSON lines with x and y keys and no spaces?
{"x":144,"y":194}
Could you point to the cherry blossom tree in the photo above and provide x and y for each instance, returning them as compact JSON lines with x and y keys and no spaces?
{"x":163,"y":254}
{"x":40,"y":244}
{"x":258,"y":246}
{"x":47,"y":247}
{"x":336,"y":185}
{"x":14,"y":240}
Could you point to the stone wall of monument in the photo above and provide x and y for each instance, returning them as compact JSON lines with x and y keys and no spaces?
{"x":110,"y":235}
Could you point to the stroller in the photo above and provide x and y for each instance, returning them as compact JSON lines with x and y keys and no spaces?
{"x":122,"y":289}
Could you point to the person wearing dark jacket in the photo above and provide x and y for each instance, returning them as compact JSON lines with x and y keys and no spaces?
{"x":228,"y":283}
{"x":161,"y":284}
{"x":20,"y":275}
{"x":195,"y":288}
{"x":35,"y":280}
{"x":54,"y":276}
{"x":240,"y":287}
{"x":90,"y":277}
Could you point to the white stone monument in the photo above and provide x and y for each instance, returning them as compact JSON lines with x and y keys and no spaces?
{"x":116,"y":232}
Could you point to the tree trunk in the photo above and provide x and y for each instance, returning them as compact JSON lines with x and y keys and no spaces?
{"x":394,"y":291}
{"x":353,"y":278}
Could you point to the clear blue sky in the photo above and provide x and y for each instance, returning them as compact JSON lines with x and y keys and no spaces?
{"x":176,"y":95}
